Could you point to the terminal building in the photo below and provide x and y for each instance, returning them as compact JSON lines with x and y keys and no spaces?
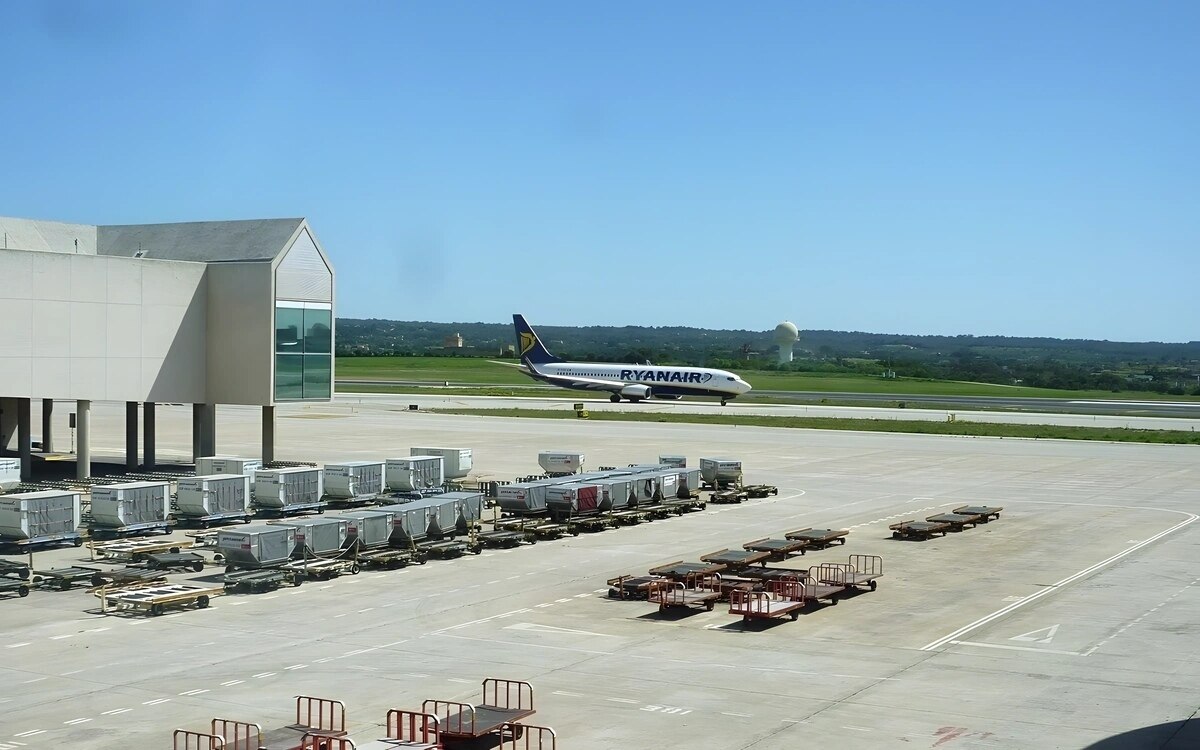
{"x":202,"y":313}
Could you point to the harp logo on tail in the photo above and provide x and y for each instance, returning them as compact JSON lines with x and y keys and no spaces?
{"x":528,"y":341}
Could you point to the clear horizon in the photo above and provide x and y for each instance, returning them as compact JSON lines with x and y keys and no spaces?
{"x":1022,"y":169}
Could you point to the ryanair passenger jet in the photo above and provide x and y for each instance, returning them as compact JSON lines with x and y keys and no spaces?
{"x":632,"y":382}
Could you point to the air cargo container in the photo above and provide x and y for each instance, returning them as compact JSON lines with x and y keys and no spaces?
{"x":560,"y":462}
{"x":216,"y":497}
{"x":229,"y":465}
{"x":317,"y":535}
{"x":353,"y":479}
{"x":132,"y":506}
{"x":566,"y":500}
{"x":689,"y":482}
{"x":10,"y":474}
{"x":674,"y":462}
{"x":720,"y":470}
{"x":617,"y":492}
{"x":410,"y":522}
{"x":35,"y":517}
{"x":458,"y":461}
{"x":469,"y":506}
{"x":288,"y":490}
{"x":368,"y":528}
{"x":259,"y":545}
{"x":416,"y":473}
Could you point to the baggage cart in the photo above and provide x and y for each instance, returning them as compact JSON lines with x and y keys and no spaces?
{"x":501,"y":539}
{"x":700,"y":591}
{"x":127,"y":576}
{"x":680,"y":570}
{"x":758,"y":491}
{"x":390,"y":558}
{"x":681,"y":505}
{"x":14,"y":586}
{"x":956,"y":521}
{"x":632,"y":587}
{"x":783,"y":598}
{"x":63,"y":578}
{"x":918,"y":529}
{"x":155,"y":598}
{"x":175,"y":561}
{"x":505,"y":703}
{"x":630,"y":517}
{"x":859,"y":572}
{"x":14,"y":569}
{"x":986,"y":513}
{"x":317,"y":720}
{"x":260,"y":580}
{"x":814,"y":591}
{"x":538,"y":528}
{"x":590,"y":524}
{"x":134,"y":550}
{"x":777,"y":550}
{"x":322,"y":569}
{"x":449,"y":549}
{"x":735,"y":560}
{"x":819,"y":538}
{"x":729,"y":497}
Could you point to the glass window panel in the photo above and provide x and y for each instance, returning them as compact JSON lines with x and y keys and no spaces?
{"x":289,"y":322}
{"x":289,"y":376}
{"x":318,"y":332}
{"x":318,"y":371}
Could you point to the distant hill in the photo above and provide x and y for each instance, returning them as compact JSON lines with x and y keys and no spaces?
{"x":1047,"y":362}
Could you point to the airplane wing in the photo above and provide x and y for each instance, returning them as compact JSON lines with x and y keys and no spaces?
{"x":520,"y":367}
{"x":595,"y":384}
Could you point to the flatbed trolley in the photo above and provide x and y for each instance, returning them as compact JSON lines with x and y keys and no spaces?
{"x":138,"y":529}
{"x":783,"y":598}
{"x":449,"y":549}
{"x":541,"y":529}
{"x":766,"y":575}
{"x":735,"y":560}
{"x":591,"y":524}
{"x":631,"y":586}
{"x":986,"y":513}
{"x":156,"y":597}
{"x":391,"y":558}
{"x":502,"y":539}
{"x":729,"y":497}
{"x":14,"y":569}
{"x":202,"y":538}
{"x":918,"y":529}
{"x":680,"y":570}
{"x":859,"y":572}
{"x":216,"y":519}
{"x":63,"y":578}
{"x":814,"y":591}
{"x":702,"y":592}
{"x":323,"y":569}
{"x":657,"y":511}
{"x":316,"y":718}
{"x":505,"y":704}
{"x":777,"y":550}
{"x":260,"y":579}
{"x":126,"y":576}
{"x":956,"y":521}
{"x":14,"y":586}
{"x":819,"y":538}
{"x":185,"y":739}
{"x":630,"y":517}
{"x":134,"y":550}
{"x":681,"y":505}
{"x":758,"y":491}
{"x":175,"y":560}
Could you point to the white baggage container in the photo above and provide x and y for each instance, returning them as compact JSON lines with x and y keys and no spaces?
{"x":458,"y":461}
{"x":469,"y":506}
{"x":410,"y":522}
{"x":43,"y":516}
{"x":561,"y":462}
{"x":131,"y":505}
{"x":567,"y":500}
{"x":317,"y":535}
{"x":214,"y":497}
{"x":714,"y":470}
{"x":10,"y":474}
{"x":228,"y":465}
{"x":369,"y":528}
{"x":675,"y":462}
{"x":416,"y":473}
{"x":353,"y":479}
{"x":284,"y":490}
{"x":257,"y":546}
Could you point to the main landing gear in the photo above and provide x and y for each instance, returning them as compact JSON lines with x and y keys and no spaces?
{"x":724,"y":402}
{"x":615,"y":398}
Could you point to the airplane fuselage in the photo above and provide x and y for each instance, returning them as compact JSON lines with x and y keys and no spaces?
{"x":661,"y":380}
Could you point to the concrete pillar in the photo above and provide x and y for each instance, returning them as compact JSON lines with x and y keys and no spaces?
{"x":25,"y":439}
{"x":197,"y":422}
{"x":268,"y":434}
{"x":83,"y":451}
{"x":131,"y":436}
{"x":210,"y":430}
{"x":47,"y":423}
{"x":148,"y":435}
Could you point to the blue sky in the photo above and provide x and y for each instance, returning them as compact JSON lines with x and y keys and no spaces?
{"x":1017,"y":168}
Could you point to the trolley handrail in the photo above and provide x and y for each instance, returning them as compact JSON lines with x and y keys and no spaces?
{"x":237,"y":734}
{"x":320,"y":741}
{"x":527,"y":737}
{"x":867,"y":564}
{"x":330,"y":715}
{"x":413,"y":726}
{"x":493,"y":686}
{"x":461,"y":723}
{"x":196,"y":740}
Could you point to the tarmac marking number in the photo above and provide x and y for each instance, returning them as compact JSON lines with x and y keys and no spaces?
{"x":671,"y":710}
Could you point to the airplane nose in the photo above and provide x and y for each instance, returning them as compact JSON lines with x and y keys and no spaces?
{"x":743,"y":386}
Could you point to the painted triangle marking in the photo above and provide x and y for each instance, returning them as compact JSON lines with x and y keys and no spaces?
{"x":1042,"y":635}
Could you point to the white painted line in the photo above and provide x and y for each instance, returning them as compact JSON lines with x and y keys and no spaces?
{"x":368,"y":609}
{"x":30,"y":733}
{"x":393,"y":643}
{"x":600,"y":591}
{"x":297,"y":666}
{"x":115,"y":711}
{"x":734,"y":713}
{"x":326,"y":659}
{"x":794,"y":721}
{"x":620,"y":700}
{"x":60,"y":637}
{"x":560,"y":601}
{"x":18,"y":645}
{"x":156,"y":701}
{"x":327,"y":586}
{"x":77,"y":721}
{"x":267,"y":598}
{"x":547,"y":604}
{"x":569,"y":695}
{"x":489,"y":583}
{"x":459,"y":679}
{"x":231,"y":683}
{"x":237,"y":604}
{"x":1053,"y":587}
{"x":97,"y":630}
{"x":198,"y":691}
{"x":261,"y":675}
{"x":857,"y":729}
{"x":35,"y":679}
{"x":1007,"y":647}
{"x":341,"y":615}
{"x":68,"y":674}
{"x":582,"y":596}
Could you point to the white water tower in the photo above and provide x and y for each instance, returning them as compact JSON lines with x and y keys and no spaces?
{"x":786,"y":335}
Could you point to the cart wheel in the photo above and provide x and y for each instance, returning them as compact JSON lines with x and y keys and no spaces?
{"x":709,"y":605}
{"x":297,"y":580}
{"x":794,"y":614}
{"x":204,"y":524}
{"x":422,"y":560}
{"x":63,"y":584}
{"x":230,"y":568}
{"x":874,"y":585}
{"x":354,"y":569}
{"x":97,"y":580}
{"x":246,"y":519}
{"x":77,"y":541}
{"x":202,"y":601}
{"x":833,"y":601}
{"x":174,"y":550}
{"x":218,"y":558}
{"x":23,"y":591}
{"x":156,"y":609}
{"x":198,"y":566}
{"x":574,"y":532}
{"x":896,"y":535}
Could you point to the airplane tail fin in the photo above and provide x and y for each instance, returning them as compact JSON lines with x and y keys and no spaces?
{"x":529,"y":347}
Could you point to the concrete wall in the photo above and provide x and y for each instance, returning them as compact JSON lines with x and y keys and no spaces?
{"x":101,"y":328}
{"x":241,"y":323}
{"x":8,"y":424}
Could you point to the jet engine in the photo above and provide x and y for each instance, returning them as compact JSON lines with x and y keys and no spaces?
{"x":636,"y":392}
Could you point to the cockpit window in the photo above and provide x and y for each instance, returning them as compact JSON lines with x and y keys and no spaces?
{"x":729,"y":378}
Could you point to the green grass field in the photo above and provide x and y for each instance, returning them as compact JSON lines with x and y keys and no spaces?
{"x":461,"y":371}
{"x":976,"y":429}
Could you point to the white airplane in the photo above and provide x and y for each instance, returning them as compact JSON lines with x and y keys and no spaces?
{"x":632,"y":382}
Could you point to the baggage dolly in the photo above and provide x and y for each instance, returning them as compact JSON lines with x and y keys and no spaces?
{"x":126,"y":576}
{"x":591,"y":524}
{"x":679,"y":570}
{"x":156,"y":597}
{"x":956,"y":521}
{"x":13,"y":569}
{"x":758,"y":491}
{"x":505,"y":703}
{"x":819,"y":538}
{"x":777,"y":549}
{"x":261,"y":579}
{"x":630,"y":517}
{"x":736,"y":560}
{"x":918,"y":529}
{"x":449,"y":549}
{"x":729,"y":497}
{"x":681,"y":505}
{"x":316,"y":719}
{"x":783,"y":598}
{"x":631,"y":586}
{"x":391,"y":558}
{"x":984,"y":512}
{"x":541,"y":529}
{"x":501,"y":539}
{"x":860,"y":571}
{"x":322,"y":569}
{"x":133,"y":550}
{"x":702,"y":592}
{"x":138,"y":529}
{"x":14,"y":586}
{"x":63,"y":578}
{"x":175,"y":560}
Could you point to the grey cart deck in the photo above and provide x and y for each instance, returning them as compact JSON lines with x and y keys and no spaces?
{"x":168,"y":560}
{"x":504,"y":702}
{"x":956,"y":521}
{"x":819,"y":538}
{"x":986,"y":513}
{"x":155,"y":598}
{"x":860,"y":571}
{"x":631,"y":586}
{"x":680,"y":570}
{"x":63,"y":578}
{"x":778,"y":549}
{"x":14,"y":586}
{"x":122,"y":576}
{"x":918,"y":529}
{"x":735,"y":560}
{"x":670,"y":594}
{"x":781,"y":599}
{"x":16,"y":570}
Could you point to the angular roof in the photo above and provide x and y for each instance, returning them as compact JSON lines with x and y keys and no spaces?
{"x":199,"y":241}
